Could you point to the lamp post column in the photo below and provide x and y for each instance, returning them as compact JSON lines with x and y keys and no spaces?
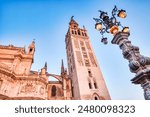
{"x":138,"y":64}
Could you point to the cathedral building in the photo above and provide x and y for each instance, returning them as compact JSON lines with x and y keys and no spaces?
{"x":83,"y":81}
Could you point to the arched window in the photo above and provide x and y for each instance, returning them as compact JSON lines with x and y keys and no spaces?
{"x":95,"y":98}
{"x":53,"y":91}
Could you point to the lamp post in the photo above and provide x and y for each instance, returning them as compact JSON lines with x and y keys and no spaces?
{"x":138,"y":64}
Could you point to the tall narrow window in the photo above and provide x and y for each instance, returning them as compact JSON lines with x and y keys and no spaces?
{"x":72,"y":32}
{"x":90,"y":86}
{"x":53,"y":91}
{"x":78,"y":32}
{"x":72,"y":91}
{"x":82,"y":34}
{"x":75,"y":32}
{"x":71,"y":69}
{"x":95,"y":85}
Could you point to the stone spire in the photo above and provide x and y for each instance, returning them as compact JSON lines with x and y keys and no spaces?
{"x":45,"y":66}
{"x":62,"y":67}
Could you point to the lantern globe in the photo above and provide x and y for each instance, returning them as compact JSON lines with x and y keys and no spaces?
{"x":114,"y":29}
{"x":98,"y":26}
{"x":122,"y":14}
{"x":126,"y":30}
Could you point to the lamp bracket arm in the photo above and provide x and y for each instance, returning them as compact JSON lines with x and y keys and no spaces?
{"x":107,"y":30}
{"x":96,"y":19}
{"x":103,"y":31}
{"x":104,"y":23}
{"x":114,"y":11}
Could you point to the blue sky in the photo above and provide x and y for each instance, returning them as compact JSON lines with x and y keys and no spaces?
{"x":46,"y":21}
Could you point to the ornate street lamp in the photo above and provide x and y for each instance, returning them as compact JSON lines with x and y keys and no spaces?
{"x":138,"y":64}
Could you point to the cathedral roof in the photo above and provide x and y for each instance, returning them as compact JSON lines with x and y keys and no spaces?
{"x":11,"y":47}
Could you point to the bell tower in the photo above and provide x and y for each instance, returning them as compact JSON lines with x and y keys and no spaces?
{"x":84,"y":71}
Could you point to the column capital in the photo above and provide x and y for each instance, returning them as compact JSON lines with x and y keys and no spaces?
{"x":119,"y":37}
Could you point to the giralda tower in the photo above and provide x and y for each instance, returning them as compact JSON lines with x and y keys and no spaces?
{"x":87,"y":79}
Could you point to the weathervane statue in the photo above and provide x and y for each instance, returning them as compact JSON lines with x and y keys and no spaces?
{"x":138,"y":64}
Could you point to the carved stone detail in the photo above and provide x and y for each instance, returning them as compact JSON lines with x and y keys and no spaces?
{"x":147,"y":93}
{"x":41,"y":91}
{"x":138,"y":63}
{"x":130,"y":52}
{"x":28,"y":88}
{"x":146,"y":87}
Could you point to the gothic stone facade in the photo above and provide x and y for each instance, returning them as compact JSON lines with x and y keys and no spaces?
{"x":84,"y":81}
{"x":17,"y":81}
